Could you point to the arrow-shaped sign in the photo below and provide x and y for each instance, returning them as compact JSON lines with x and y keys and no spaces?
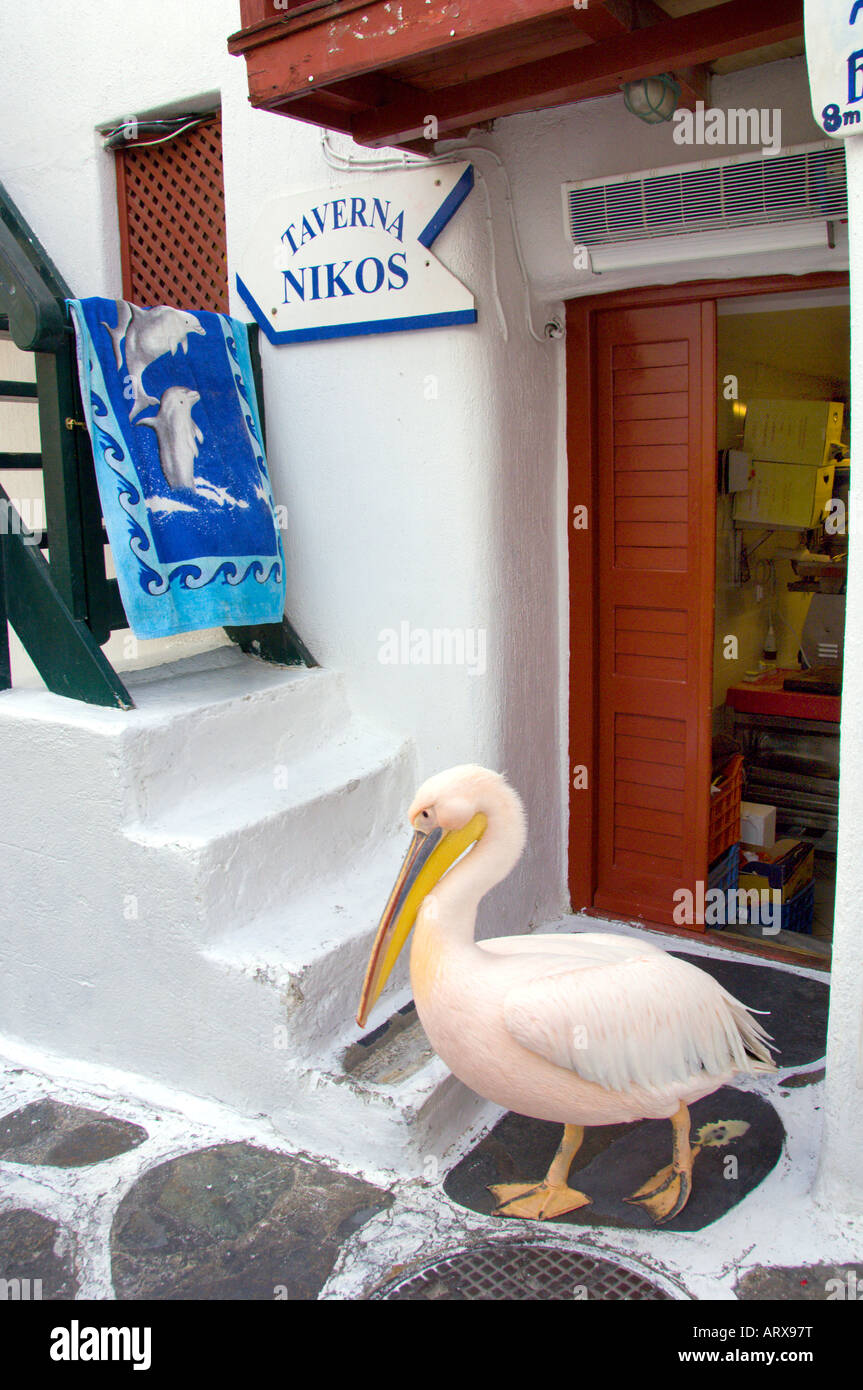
{"x":345,"y":261}
{"x":834,"y":57}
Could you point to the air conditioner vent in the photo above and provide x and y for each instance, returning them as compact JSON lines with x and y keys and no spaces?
{"x":748,"y":191}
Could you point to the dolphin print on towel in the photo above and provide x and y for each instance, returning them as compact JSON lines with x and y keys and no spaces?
{"x":177,"y":434}
{"x":182,"y":476}
{"x":148,"y":334}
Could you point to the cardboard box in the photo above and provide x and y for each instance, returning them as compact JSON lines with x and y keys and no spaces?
{"x":788,"y":866}
{"x":789,"y":496}
{"x":757,"y":824}
{"x":784,"y":431}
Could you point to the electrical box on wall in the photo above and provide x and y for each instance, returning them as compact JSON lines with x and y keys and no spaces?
{"x":793,"y":431}
{"x":787,"y":496}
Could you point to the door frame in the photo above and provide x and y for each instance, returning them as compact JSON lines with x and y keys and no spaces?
{"x":582,"y":472}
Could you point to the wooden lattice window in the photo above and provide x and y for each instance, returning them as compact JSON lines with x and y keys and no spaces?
{"x":171,"y":199}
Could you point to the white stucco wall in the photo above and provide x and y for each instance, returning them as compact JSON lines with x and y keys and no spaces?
{"x":600,"y":139}
{"x":53,"y":165}
{"x":442,"y":510}
{"x":447,"y":510}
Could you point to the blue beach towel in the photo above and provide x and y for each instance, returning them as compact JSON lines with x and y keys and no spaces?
{"x":169,"y":401}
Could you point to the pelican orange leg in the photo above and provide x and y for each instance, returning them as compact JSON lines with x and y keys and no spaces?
{"x":538,"y":1201}
{"x":667,"y":1192}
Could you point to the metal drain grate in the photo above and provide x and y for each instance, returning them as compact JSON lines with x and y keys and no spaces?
{"x":521,"y":1272}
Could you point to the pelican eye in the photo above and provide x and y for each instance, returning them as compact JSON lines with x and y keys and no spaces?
{"x":426,"y":821}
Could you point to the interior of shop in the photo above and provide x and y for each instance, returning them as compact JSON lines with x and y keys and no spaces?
{"x":783,"y":427}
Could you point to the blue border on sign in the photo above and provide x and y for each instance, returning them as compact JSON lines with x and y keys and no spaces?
{"x":450,"y":205}
{"x":351,"y":330}
{"x":427,"y":236}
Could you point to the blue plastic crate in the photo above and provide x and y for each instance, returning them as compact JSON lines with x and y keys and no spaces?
{"x":724,"y":872}
{"x":798,"y":914}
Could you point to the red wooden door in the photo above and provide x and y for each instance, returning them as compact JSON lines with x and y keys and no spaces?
{"x":655,"y":470}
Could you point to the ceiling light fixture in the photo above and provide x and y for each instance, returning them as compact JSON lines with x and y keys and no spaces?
{"x":652,"y":99}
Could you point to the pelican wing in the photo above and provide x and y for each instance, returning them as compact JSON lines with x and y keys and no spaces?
{"x":649,"y":1020}
{"x":576,"y":948}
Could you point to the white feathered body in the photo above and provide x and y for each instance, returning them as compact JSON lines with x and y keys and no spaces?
{"x":587,"y":1029}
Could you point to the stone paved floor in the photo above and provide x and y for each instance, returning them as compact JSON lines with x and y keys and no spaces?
{"x":106,"y":1195}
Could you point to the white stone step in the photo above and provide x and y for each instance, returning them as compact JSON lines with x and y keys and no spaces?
{"x":253,"y":848}
{"x":313,"y":951}
{"x":295,"y":981}
{"x":193,"y":734}
{"x":408,"y":1126}
{"x":399,"y":1123}
{"x":196,"y":901}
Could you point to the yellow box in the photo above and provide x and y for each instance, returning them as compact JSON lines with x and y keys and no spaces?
{"x":793,"y":431}
{"x":788,"y":866}
{"x":790,"y":496}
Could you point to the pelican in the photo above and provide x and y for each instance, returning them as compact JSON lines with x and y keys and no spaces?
{"x":584,"y":1029}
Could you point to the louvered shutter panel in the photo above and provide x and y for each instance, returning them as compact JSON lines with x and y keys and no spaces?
{"x":656,"y":434}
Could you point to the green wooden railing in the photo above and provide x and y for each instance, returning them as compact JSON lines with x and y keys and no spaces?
{"x":65,"y":610}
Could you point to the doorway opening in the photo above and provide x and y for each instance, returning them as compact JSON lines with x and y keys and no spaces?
{"x":706,"y":606}
{"x":783,"y":390}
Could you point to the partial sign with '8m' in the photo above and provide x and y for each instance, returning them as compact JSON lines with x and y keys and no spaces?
{"x":834,"y":56}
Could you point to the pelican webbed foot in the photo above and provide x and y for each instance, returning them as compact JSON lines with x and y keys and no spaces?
{"x":539,"y":1201}
{"x":667,"y":1192}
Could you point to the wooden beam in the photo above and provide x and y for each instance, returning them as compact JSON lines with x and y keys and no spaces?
{"x":626,"y":16}
{"x":263,"y":23}
{"x":371,"y":89}
{"x":694,"y":85}
{"x":606,"y":21}
{"x":366,"y":91}
{"x":597,"y":70}
{"x":315,"y":111}
{"x":320,"y":46}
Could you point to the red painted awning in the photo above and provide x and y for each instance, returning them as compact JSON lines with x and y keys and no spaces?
{"x":379,"y":69}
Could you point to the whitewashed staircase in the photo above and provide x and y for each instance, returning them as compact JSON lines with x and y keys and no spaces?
{"x":191,"y":890}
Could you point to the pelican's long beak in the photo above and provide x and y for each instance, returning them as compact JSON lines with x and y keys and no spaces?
{"x":427,"y":860}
